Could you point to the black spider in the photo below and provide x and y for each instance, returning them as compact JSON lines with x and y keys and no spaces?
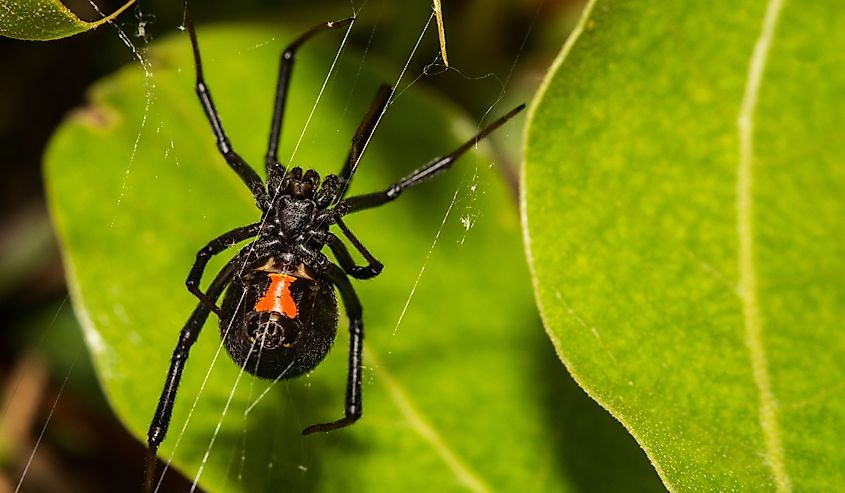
{"x":279,"y":315}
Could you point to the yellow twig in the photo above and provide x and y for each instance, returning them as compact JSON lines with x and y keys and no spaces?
{"x":438,"y":12}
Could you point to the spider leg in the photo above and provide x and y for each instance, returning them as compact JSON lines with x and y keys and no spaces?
{"x":285,"y":70}
{"x":353,"y":407}
{"x":187,"y":337}
{"x":235,"y":161}
{"x":364,"y":133}
{"x":438,"y":165}
{"x":373,"y":268}
{"x":341,"y":253}
{"x":214,"y":247}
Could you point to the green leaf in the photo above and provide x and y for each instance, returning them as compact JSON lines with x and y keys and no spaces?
{"x":45,"y":20}
{"x":464,"y":394}
{"x":684,"y":214}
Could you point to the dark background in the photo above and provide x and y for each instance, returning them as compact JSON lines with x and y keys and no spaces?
{"x":44,"y":370}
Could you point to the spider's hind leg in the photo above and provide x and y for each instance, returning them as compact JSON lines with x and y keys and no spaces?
{"x":187,"y":337}
{"x":353,"y":407}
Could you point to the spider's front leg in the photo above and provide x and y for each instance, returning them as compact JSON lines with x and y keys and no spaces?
{"x":353,"y":408}
{"x":282,"y":84}
{"x":433,"y":168}
{"x":215,"y":246}
{"x":363,"y":134}
{"x":235,"y":161}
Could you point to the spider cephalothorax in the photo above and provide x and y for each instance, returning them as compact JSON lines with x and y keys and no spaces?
{"x":279,"y":314}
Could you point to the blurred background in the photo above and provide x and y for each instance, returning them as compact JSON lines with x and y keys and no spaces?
{"x":50,"y":400}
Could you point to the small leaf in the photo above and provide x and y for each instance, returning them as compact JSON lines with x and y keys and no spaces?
{"x":463,"y":394}
{"x":684,"y":202}
{"x":45,"y":20}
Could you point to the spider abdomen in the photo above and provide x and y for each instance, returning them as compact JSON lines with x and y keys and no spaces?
{"x":283,"y":321}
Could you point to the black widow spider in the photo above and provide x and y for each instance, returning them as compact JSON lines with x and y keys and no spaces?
{"x":280,"y":287}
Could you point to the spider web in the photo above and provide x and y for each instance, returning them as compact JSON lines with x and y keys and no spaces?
{"x":12,"y":396}
{"x":139,"y":57}
{"x":463,"y":197}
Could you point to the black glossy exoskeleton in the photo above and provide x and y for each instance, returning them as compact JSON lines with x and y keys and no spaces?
{"x":286,"y":306}
{"x":279,"y":316}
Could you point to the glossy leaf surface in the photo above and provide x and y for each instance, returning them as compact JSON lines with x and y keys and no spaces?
{"x":44,"y":20}
{"x":684,"y":204}
{"x":463,"y":394}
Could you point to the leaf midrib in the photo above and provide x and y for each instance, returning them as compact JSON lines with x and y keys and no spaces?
{"x":747,"y":289}
{"x":424,"y":429}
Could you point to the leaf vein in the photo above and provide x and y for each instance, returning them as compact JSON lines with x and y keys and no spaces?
{"x":747,"y":273}
{"x":462,"y":472}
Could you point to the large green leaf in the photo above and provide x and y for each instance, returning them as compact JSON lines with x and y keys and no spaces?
{"x":684,"y":213}
{"x":465,"y":393}
{"x":45,"y":20}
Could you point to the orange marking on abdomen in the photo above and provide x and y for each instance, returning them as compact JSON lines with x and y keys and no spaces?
{"x":278,"y":298}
